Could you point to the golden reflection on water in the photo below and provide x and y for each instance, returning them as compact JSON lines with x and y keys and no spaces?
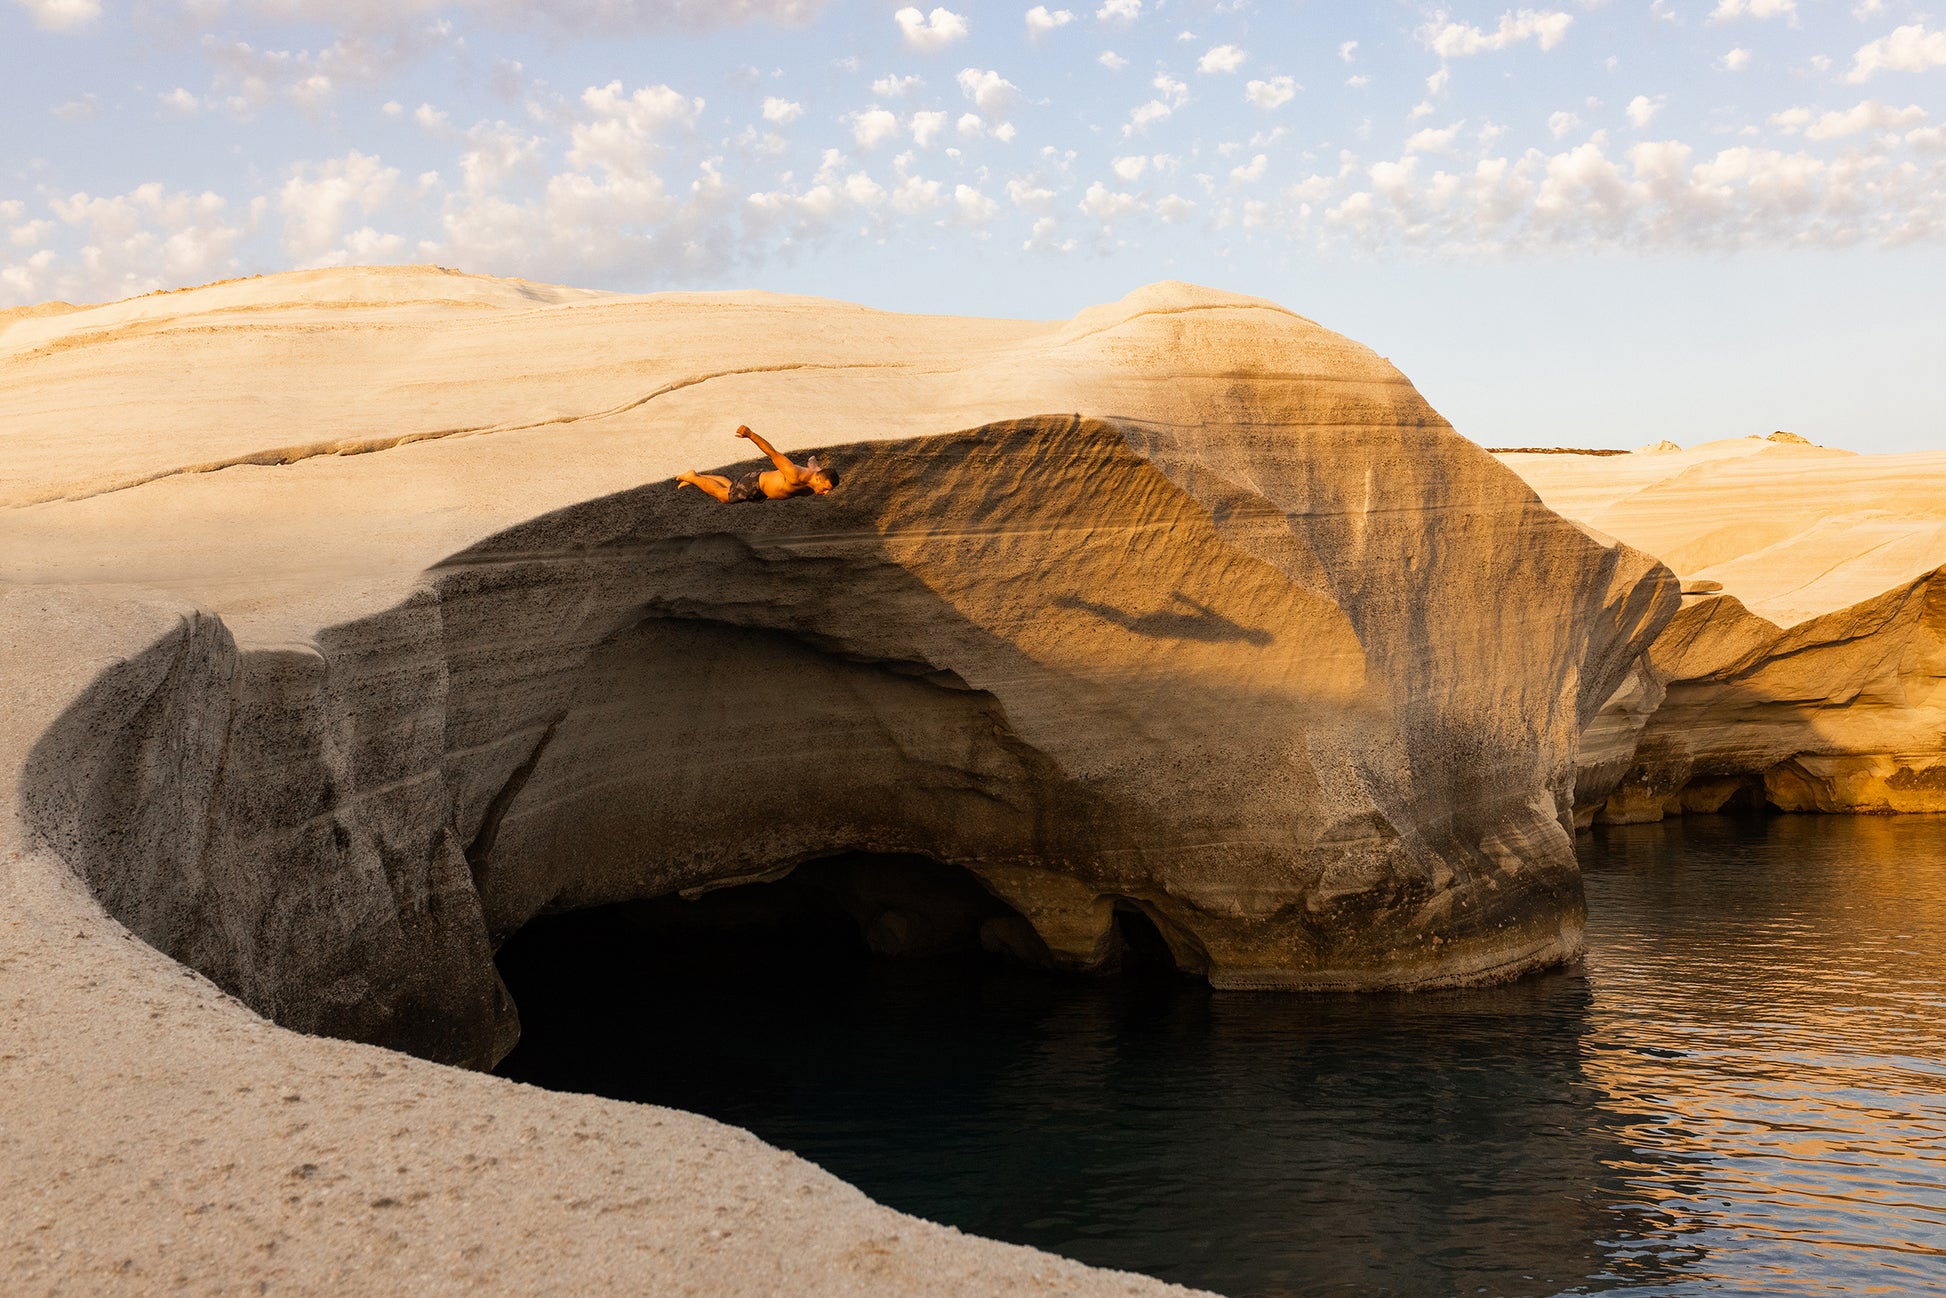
{"x":1767,"y":1021}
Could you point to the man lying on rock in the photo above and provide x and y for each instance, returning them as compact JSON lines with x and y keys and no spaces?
{"x":786,"y":479}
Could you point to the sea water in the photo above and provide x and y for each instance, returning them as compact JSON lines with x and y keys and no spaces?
{"x":1741,"y":1091}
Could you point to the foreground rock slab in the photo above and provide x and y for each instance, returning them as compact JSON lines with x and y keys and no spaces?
{"x":377,"y":629}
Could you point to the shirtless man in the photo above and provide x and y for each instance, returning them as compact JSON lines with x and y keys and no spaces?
{"x":786,"y":479}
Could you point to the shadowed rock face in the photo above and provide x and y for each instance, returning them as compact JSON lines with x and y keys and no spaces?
{"x":1310,"y":702}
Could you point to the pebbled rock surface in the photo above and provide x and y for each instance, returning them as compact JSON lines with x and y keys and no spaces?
{"x":1186,"y":605}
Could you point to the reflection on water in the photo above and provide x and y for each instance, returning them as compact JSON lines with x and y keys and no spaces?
{"x":1744,"y":1091}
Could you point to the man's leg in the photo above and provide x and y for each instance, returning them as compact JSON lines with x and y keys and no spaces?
{"x":710,"y":484}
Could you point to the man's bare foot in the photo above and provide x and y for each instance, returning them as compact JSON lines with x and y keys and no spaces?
{"x":684,"y":481}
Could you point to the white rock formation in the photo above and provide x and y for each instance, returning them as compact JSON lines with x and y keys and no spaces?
{"x":1807,"y":669}
{"x":1186,"y":605}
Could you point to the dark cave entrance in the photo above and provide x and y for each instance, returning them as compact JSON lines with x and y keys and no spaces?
{"x":693,"y":1001}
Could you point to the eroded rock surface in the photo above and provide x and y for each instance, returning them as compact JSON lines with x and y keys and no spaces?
{"x":1807,"y":668}
{"x":1253,"y":644}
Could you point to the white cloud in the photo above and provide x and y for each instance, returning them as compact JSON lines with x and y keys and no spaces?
{"x":1911,"y":48}
{"x":1174,"y":95}
{"x":431,"y":120}
{"x":623,"y":133}
{"x":62,"y":15}
{"x":992,"y":93}
{"x":85,"y":108}
{"x":1112,"y":61}
{"x":782,"y":111}
{"x":1174,"y":209}
{"x":1452,"y":40}
{"x":1119,"y":11}
{"x":1042,"y":238}
{"x":1221,"y":58}
{"x":1563,"y":124}
{"x":1129,"y":170}
{"x":1642,"y":110}
{"x":1347,"y":50}
{"x":1029,"y":195}
{"x":1041,"y":21}
{"x":1434,"y":141}
{"x":1736,"y":60}
{"x":1106,"y":205}
{"x":180,"y":102}
{"x":1730,"y":10}
{"x":1274,"y":93}
{"x":896,"y":87}
{"x":930,"y":33}
{"x":872,"y":127}
{"x":971,"y":207}
{"x":1868,"y":116}
{"x":916,"y":196}
{"x":145,"y":239}
{"x":927,"y":128}
{"x":317,"y":204}
{"x":1251,"y":172}
{"x":1358,"y":82}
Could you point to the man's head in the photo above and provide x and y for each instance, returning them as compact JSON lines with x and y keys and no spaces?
{"x":820,"y":478}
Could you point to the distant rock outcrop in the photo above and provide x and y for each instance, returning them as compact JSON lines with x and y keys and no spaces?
{"x":1807,"y":668}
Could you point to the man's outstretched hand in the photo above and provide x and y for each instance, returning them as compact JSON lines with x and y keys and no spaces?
{"x":743,"y":430}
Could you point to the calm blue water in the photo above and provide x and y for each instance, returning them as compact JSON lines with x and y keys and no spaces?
{"x":1744,"y":1090}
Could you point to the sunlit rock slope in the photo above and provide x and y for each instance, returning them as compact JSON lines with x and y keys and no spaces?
{"x":1807,"y":668}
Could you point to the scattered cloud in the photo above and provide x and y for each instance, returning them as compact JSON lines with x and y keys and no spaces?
{"x":1221,"y":58}
{"x":992,"y":93}
{"x":1433,"y":141}
{"x":1108,"y":206}
{"x":1867,"y":116}
{"x":82,"y":108}
{"x":1119,"y":11}
{"x":871,"y":127}
{"x":1274,"y":93}
{"x":1642,"y":110}
{"x":1455,"y":40}
{"x":1112,"y":61}
{"x":1348,"y":50}
{"x":1736,"y":60}
{"x":782,"y":112}
{"x":320,"y":201}
{"x":1041,"y":20}
{"x":930,"y":33}
{"x":1908,"y":49}
{"x":1727,"y":11}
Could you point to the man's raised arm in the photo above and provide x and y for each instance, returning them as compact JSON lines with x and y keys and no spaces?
{"x":776,"y":457}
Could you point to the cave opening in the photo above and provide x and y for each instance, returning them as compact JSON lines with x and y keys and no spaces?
{"x":689,"y":1000}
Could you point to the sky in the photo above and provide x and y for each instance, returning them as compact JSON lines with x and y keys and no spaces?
{"x":1597,"y":223}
